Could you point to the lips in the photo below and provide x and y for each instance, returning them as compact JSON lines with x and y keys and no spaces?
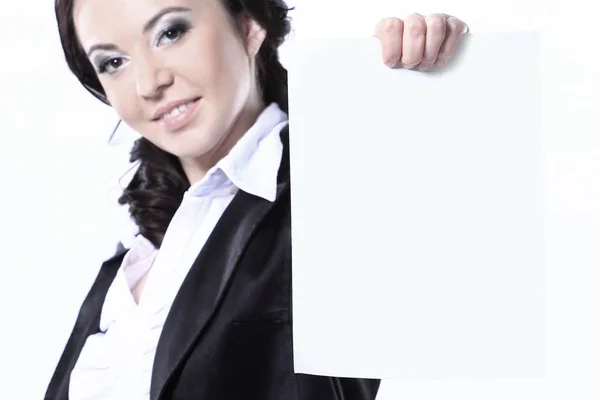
{"x":177,"y":116}
{"x":171,"y":108}
{"x":176,"y":111}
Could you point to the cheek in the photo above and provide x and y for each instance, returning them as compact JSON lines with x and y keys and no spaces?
{"x":225,"y":65}
{"x":126,"y":106}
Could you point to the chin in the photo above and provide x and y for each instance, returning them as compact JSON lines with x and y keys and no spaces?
{"x":191,"y":143}
{"x":187,"y":147}
{"x":184,"y":152}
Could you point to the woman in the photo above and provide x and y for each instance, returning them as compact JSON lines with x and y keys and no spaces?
{"x":208,"y":316}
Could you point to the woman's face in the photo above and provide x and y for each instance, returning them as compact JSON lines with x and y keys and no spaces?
{"x":152,"y":54}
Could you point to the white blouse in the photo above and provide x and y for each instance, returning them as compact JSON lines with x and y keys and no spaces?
{"x":116,"y":363}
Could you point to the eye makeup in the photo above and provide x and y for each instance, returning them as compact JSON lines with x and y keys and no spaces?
{"x":172,"y":31}
{"x":168,"y":26}
{"x":106,"y":63}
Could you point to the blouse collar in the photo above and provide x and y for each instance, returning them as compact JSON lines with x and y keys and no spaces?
{"x":253,"y":163}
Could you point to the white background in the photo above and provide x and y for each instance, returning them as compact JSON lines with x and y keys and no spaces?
{"x":58,"y":178}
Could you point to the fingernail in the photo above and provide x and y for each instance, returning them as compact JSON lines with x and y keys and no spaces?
{"x":441,"y":62}
{"x":390,"y":61}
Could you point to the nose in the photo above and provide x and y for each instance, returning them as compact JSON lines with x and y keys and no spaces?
{"x":151,"y":77}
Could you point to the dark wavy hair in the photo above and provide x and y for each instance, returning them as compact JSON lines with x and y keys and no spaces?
{"x":158,"y":186}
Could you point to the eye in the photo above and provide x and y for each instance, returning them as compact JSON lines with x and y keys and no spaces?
{"x":173,"y":33}
{"x":110,"y":65}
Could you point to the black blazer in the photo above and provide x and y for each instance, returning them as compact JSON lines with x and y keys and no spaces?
{"x":228,"y":335}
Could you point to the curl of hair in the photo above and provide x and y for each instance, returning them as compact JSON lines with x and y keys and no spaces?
{"x":158,"y":186}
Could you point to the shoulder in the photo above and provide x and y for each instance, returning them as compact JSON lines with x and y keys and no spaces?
{"x":115,"y":257}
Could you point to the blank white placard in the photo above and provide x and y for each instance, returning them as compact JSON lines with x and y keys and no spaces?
{"x":418,"y":212}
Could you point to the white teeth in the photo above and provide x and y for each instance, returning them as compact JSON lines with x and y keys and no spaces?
{"x":176,"y":111}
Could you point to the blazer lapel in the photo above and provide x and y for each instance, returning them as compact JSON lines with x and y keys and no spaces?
{"x":88,"y":323}
{"x":203,"y":287}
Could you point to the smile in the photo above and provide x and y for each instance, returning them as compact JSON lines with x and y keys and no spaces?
{"x":178,"y":116}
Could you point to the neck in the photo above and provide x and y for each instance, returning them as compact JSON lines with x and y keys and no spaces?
{"x":196,"y":169}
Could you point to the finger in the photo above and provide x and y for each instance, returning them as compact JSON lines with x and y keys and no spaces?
{"x":413,"y":42}
{"x":435,"y":36}
{"x":389,"y":31}
{"x":462,"y":24}
{"x":455,"y":29}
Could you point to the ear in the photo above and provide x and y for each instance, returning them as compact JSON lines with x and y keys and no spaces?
{"x":254,"y":37}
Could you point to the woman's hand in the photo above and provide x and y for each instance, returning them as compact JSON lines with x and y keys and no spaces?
{"x":420,"y":42}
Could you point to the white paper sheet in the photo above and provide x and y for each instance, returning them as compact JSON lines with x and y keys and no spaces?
{"x":418,"y":212}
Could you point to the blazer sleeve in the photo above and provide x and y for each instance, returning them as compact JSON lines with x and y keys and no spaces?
{"x":86,"y":324}
{"x":319,"y":387}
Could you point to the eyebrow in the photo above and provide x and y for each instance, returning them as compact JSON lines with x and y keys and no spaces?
{"x":147,"y":27}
